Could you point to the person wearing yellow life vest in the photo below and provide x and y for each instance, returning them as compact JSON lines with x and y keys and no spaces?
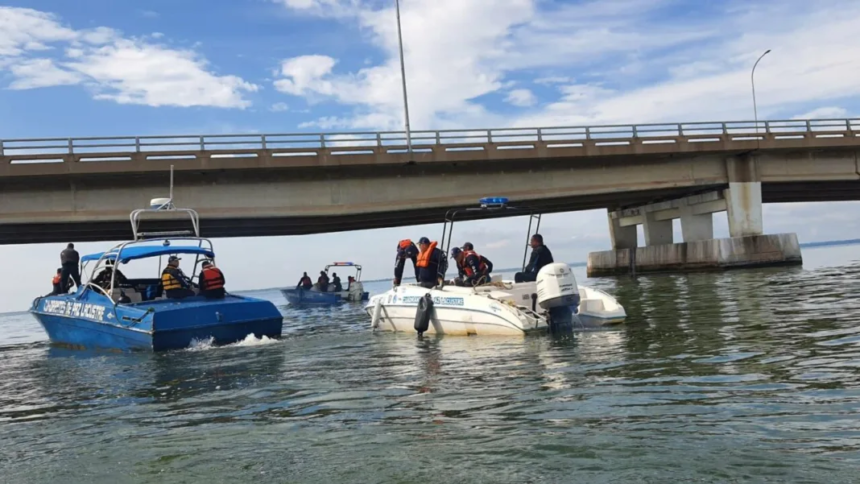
{"x":406,"y":250}
{"x":212,"y":281}
{"x":431,"y":263}
{"x":58,"y":283}
{"x":176,"y":284}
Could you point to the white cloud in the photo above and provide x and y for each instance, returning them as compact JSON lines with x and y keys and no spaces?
{"x":127,"y":71}
{"x":24,"y":29}
{"x":829,"y":112}
{"x":134,"y":72}
{"x":35,"y":73}
{"x":521,"y":98}
{"x":279,"y":107}
{"x":697,"y":69}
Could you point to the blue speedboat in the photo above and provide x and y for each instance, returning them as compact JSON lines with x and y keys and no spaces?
{"x":314,"y":297}
{"x":133,"y":314}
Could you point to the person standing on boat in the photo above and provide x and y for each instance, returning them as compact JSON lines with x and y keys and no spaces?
{"x":70,"y":260}
{"x":432,"y":264}
{"x":305,"y":282}
{"x":176,"y":284}
{"x":406,"y":250}
{"x":58,"y":283}
{"x":322,"y":281}
{"x":541,"y":256}
{"x":212,"y":281}
{"x":338,"y":287}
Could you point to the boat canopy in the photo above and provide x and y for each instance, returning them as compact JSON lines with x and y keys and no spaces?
{"x":145,"y":252}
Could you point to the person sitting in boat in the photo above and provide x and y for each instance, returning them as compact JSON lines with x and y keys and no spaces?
{"x":541,"y":256}
{"x":338,"y":287}
{"x":322,"y":281}
{"x":406,"y":250}
{"x":104,"y":277}
{"x":305,"y":283}
{"x":474,"y":269}
{"x":349,"y":281}
{"x":432,"y":263}
{"x":176,"y":284}
{"x":58,"y":283}
{"x":212,"y":281}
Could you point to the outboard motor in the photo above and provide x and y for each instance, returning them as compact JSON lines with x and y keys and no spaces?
{"x":422,"y":315}
{"x":558,"y":293}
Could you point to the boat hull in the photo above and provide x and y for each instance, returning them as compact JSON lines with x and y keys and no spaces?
{"x":90,"y":320}
{"x":454,"y":313}
{"x":300,"y":297}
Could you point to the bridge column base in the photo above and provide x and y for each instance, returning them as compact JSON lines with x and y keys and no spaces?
{"x":703,"y":255}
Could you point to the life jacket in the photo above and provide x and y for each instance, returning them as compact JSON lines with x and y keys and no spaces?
{"x":404,"y":244}
{"x":56,"y":280}
{"x":425,"y":257}
{"x":482,"y":266}
{"x":306,"y":281}
{"x":213,"y":278}
{"x":170,"y":281}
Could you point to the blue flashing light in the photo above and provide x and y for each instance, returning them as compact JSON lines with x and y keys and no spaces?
{"x":493,"y":201}
{"x":344,"y":264}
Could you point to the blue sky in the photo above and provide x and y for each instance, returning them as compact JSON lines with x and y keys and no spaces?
{"x":102,"y":67}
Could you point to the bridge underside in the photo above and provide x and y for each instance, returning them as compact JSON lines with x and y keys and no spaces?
{"x":27,"y":233}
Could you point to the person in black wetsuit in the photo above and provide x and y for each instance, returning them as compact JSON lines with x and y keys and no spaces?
{"x":406,"y":250}
{"x":69,"y":260}
{"x":473,"y":269}
{"x":541,"y":256}
{"x":338,"y":286}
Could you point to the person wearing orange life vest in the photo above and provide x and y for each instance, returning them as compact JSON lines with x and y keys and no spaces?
{"x":406,"y":250}
{"x":212,"y":281}
{"x":58,"y":283}
{"x":473,"y":269}
{"x":431,"y":263}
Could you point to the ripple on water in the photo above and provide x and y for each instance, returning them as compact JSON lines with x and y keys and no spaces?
{"x":708,"y":367}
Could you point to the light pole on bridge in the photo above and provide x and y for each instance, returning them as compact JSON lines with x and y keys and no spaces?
{"x":403,"y":78}
{"x":752,"y":81}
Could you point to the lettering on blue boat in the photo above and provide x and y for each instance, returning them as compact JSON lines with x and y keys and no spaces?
{"x":441,"y":301}
{"x":74,"y":309}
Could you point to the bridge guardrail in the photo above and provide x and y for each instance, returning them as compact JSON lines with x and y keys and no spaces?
{"x":18,"y":150}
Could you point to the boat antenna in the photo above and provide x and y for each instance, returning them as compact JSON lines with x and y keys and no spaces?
{"x":171,"y":184}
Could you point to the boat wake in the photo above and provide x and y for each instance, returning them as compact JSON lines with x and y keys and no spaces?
{"x":209,"y":343}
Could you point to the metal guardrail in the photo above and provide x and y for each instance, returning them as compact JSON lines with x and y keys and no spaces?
{"x":423,"y":141}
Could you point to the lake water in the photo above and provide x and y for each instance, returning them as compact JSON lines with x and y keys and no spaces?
{"x":743,"y":376}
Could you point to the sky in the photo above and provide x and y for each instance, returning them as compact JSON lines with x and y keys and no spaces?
{"x":106,"y":68}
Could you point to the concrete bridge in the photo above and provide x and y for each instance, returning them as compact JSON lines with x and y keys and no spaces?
{"x":82,"y":189}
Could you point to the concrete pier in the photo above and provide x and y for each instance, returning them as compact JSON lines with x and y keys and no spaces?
{"x":714,"y":254}
{"x":748,"y":246}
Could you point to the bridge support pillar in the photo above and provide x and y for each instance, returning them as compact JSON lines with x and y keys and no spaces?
{"x":696,"y":227}
{"x":657,"y":231}
{"x":743,"y":197}
{"x":622,"y":237}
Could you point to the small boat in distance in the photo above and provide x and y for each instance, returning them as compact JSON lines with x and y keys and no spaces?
{"x":134,"y":315}
{"x":354,"y":291}
{"x":552,"y":303}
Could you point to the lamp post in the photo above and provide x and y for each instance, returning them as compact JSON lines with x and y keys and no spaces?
{"x":752,"y":81}
{"x":403,"y":78}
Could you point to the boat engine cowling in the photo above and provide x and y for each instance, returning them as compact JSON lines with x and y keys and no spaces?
{"x":556,"y":287}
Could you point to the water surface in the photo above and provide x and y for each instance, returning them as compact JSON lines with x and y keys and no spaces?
{"x":743,"y":376}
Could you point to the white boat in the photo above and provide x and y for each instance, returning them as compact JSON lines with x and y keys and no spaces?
{"x":554,"y":302}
